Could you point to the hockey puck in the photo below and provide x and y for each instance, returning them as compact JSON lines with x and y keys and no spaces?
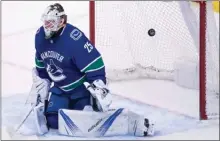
{"x":151,"y":32}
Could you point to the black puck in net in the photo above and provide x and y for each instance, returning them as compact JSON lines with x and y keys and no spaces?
{"x":151,"y":32}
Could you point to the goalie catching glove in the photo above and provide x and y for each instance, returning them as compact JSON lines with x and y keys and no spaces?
{"x":101,"y":93}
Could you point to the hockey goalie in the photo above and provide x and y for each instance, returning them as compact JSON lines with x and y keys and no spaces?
{"x":69,"y":90}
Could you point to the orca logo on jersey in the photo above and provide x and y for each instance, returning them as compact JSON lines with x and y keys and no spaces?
{"x":55,"y":73}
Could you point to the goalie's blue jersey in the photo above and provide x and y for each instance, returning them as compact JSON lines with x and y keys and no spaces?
{"x":69,"y":59}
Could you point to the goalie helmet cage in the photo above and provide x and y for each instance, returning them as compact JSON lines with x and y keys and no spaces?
{"x":115,"y":26}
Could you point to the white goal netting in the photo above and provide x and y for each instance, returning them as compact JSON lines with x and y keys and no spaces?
{"x":129,"y":52}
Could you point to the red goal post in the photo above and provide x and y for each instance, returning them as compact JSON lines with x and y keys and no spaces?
{"x":197,"y":31}
{"x":202,"y":60}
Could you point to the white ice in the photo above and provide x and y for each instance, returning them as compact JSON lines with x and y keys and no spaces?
{"x":174,"y":109}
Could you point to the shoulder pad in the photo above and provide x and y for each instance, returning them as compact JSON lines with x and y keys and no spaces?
{"x":39,"y":29}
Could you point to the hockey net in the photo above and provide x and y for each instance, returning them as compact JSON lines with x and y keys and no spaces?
{"x":185,"y":44}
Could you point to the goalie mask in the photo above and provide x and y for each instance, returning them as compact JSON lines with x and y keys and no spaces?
{"x":53,"y":19}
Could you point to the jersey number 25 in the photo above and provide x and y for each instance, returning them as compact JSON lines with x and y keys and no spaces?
{"x":88,"y":46}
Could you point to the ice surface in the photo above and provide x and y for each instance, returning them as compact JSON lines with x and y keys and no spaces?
{"x":166,"y":122}
{"x":174,"y":109}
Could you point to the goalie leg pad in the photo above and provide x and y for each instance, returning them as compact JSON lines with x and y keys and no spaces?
{"x":40,"y":119}
{"x":97,"y":124}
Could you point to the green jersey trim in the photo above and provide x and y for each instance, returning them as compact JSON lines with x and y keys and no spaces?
{"x":95,"y":65}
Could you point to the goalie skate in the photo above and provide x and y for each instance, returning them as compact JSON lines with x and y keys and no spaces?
{"x":140,"y":126}
{"x":150,"y":128}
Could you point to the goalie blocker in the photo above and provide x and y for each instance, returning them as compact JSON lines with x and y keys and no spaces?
{"x":114,"y":122}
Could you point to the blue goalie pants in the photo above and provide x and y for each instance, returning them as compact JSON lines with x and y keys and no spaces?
{"x":59,"y":100}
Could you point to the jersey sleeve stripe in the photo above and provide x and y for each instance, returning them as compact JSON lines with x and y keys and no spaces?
{"x":39,"y":63}
{"x":94,"y":65}
{"x":92,"y":70}
{"x":74,"y":84}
